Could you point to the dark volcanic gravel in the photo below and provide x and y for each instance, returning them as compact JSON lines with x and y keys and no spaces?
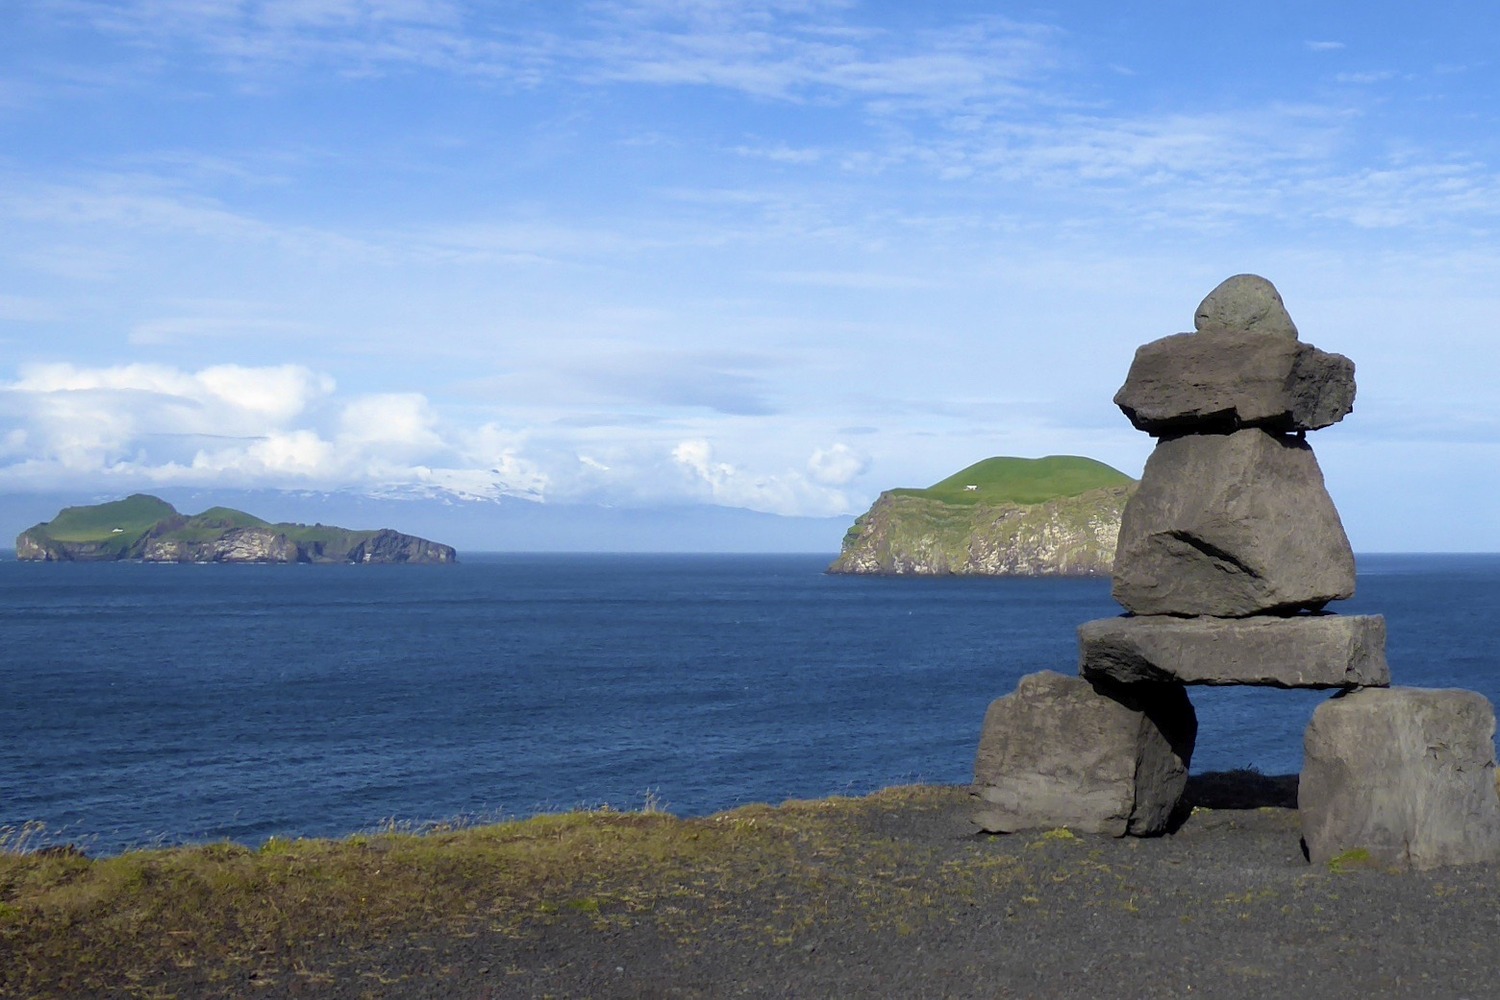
{"x":916,"y":905}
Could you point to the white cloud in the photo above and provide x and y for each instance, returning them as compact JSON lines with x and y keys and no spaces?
{"x":276,"y":393}
{"x":93,"y":418}
{"x":279,"y":455}
{"x":698,"y":456}
{"x":838,"y":465}
{"x":787,"y":493}
{"x":286,"y":426}
{"x":1324,"y":46}
{"x":397,"y":423}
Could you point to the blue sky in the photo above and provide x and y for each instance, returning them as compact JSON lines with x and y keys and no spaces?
{"x":774,"y":255}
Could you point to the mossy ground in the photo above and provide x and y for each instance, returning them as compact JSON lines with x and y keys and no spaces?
{"x":208,"y":919}
{"x":889,"y":895}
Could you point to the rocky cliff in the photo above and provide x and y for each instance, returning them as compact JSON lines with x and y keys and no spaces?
{"x":147,"y":529}
{"x":980,"y":529}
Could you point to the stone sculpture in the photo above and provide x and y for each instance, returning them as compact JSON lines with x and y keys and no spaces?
{"x":1228,"y":554}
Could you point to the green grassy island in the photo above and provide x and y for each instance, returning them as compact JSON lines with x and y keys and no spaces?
{"x":1053,"y":516}
{"x":149,"y":529}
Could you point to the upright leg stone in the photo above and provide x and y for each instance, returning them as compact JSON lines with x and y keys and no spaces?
{"x":1060,"y":751}
{"x":1406,"y":774}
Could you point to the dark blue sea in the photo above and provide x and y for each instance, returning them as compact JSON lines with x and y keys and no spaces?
{"x":144,"y":705}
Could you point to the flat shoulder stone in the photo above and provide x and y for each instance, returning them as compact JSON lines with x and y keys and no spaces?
{"x":1225,"y":380}
{"x":1404,"y":775}
{"x":1062,"y":751}
{"x":1245,"y":303}
{"x":1301,"y":651}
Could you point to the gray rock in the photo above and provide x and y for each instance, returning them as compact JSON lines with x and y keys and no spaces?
{"x":1312,"y":651}
{"x":1401,"y":776}
{"x":1231,"y":525}
{"x":1227,"y":380}
{"x":1245,"y":303}
{"x":1060,"y":751}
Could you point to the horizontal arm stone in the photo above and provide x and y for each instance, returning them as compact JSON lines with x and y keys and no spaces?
{"x":1303,"y":651}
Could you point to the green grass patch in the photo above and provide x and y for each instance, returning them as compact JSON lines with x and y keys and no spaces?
{"x":1022,"y":481}
{"x":126,"y":519}
{"x":1354,"y":859}
{"x":224,"y":518}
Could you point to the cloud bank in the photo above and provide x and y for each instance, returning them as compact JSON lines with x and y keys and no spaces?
{"x":287,"y":427}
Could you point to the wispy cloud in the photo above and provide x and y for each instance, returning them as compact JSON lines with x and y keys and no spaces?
{"x":867,"y":280}
{"x":193,"y":322}
{"x":1367,"y":77}
{"x":782,"y":153}
{"x":723,"y":382}
{"x":27,"y":309}
{"x":790,"y":54}
{"x":256,"y":39}
{"x":155,"y":203}
{"x":1323,"y":46}
{"x":781,"y":51}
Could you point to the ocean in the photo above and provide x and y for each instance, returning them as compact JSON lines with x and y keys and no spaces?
{"x":151,"y":705}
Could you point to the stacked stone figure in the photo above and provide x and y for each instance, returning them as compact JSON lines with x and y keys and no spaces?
{"x":1228,"y":554}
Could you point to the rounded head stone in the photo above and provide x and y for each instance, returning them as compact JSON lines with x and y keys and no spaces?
{"x":1245,"y":303}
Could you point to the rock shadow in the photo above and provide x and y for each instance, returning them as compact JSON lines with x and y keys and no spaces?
{"x":1241,"y":789}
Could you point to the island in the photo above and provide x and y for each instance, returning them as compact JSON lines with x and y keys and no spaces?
{"x":147,"y":529}
{"x":1053,"y":516}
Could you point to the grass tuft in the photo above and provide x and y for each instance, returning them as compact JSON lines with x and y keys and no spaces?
{"x":1354,"y":859}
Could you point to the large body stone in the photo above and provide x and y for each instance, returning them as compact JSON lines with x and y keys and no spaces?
{"x":1312,"y":651}
{"x":1225,"y":381}
{"x":1245,"y":303}
{"x":1060,"y":751}
{"x":1231,"y":525}
{"x":1404,"y":774}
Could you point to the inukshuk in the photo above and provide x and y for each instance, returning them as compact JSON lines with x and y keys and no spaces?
{"x":1228,"y":554}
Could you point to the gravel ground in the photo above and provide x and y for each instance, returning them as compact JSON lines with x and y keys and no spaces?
{"x":914,"y":904}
